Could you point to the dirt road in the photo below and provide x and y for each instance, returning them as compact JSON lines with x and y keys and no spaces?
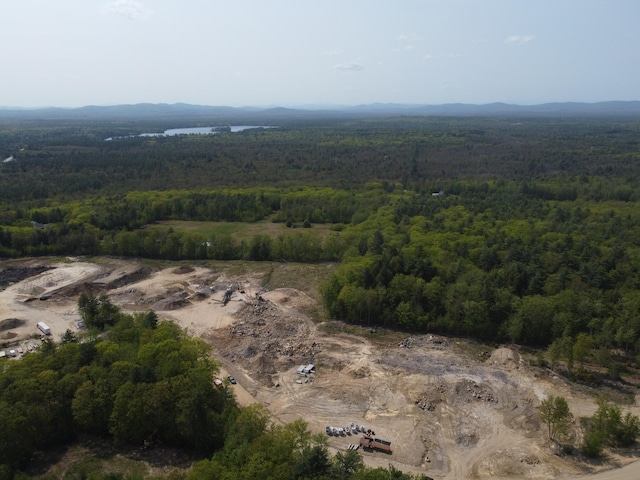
{"x":628,"y":472}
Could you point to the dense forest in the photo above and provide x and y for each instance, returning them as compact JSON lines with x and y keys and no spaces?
{"x":74,"y":160}
{"x":524,"y":230}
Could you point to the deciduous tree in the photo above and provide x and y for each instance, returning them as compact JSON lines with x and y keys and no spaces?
{"x":555,"y":413}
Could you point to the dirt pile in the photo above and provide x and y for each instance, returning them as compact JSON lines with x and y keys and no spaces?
{"x":11,"y":275}
{"x":464,"y":391}
{"x":265,"y":341}
{"x":504,"y":356}
{"x":11,"y":323}
{"x":432,"y":341}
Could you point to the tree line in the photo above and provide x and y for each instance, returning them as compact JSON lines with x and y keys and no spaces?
{"x":114,"y":225}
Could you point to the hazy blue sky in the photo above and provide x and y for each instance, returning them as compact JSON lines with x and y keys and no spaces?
{"x":296,"y":52}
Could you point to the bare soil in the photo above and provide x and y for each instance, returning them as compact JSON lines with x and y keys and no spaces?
{"x":451,"y":408}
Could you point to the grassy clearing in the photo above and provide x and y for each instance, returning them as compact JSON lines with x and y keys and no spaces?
{"x":94,"y":455}
{"x":238,"y":230}
{"x":301,"y":276}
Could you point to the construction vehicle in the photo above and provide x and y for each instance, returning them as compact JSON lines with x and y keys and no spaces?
{"x":368,"y":442}
{"x":227,"y":296}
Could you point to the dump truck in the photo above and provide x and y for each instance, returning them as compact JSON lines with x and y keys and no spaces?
{"x":370,"y":443}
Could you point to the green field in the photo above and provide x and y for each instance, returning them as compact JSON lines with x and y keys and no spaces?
{"x":239,"y":230}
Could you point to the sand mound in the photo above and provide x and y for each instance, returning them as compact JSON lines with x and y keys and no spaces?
{"x":181,"y":270}
{"x":504,"y":356}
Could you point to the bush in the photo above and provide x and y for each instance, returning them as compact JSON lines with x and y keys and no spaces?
{"x":614,"y":370}
{"x":593,"y":444}
{"x":610,"y":426}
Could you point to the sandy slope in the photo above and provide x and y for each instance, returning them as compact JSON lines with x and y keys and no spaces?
{"x":30,"y":300}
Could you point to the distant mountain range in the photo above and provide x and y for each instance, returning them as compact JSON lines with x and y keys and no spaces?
{"x":149,"y":111}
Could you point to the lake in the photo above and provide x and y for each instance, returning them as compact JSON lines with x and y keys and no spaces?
{"x":196,"y":131}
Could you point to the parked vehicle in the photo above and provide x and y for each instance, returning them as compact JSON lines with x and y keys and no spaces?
{"x":44,"y":328}
{"x":367,"y":442}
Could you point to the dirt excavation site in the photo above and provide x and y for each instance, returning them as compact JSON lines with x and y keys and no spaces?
{"x":450,"y":408}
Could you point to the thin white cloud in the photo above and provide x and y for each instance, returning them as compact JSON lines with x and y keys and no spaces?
{"x":131,"y":9}
{"x":518,"y":39}
{"x":331,"y":53}
{"x":349,"y":67}
{"x":428,"y":56}
{"x":406,"y":43}
{"x":408,"y":38}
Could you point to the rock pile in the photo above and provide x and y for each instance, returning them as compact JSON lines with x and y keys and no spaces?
{"x":469,"y":391}
{"x":266,"y":339}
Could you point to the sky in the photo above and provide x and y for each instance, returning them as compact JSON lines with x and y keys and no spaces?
{"x":71,"y":53}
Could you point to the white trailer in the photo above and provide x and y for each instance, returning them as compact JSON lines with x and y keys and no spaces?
{"x":44,"y":328}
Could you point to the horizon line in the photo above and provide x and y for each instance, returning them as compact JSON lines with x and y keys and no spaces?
{"x":315,"y":105}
